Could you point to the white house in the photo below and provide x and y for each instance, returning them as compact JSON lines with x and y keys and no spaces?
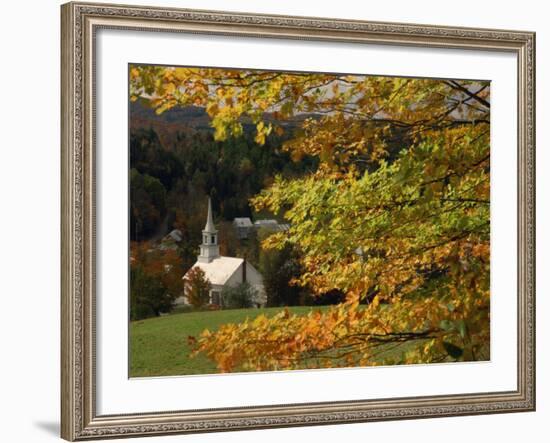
{"x":243,"y":226}
{"x":224,"y":271}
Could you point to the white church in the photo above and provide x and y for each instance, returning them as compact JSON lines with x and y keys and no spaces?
{"x":224,"y":271}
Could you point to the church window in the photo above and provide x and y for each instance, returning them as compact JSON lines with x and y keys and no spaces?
{"x":213,"y":239}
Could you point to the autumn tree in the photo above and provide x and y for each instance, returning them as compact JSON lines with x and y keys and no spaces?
{"x":155,"y":280}
{"x":197,"y":287}
{"x":147,"y":204}
{"x":228,"y":240}
{"x":396,"y":214}
{"x":279,"y":268}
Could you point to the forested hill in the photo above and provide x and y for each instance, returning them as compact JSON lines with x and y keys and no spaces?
{"x":169,"y":123}
{"x":188,"y":119}
{"x":176,"y":163}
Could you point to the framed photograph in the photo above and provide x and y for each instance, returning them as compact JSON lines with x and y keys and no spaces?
{"x":283,"y":221}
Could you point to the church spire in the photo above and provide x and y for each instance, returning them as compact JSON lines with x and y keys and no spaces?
{"x":209,"y":227}
{"x":209,"y":247}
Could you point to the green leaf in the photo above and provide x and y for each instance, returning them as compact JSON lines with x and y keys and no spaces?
{"x":461,"y":326}
{"x":446,"y":325}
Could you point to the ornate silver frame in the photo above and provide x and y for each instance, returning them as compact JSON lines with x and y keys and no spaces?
{"x":80,"y":21}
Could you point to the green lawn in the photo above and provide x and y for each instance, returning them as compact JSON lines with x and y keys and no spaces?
{"x":158,"y":346}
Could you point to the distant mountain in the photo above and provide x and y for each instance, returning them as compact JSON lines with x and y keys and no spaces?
{"x":189,"y":119}
{"x":177,"y":119}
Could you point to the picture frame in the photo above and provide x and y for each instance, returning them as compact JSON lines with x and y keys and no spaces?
{"x":81,"y":22}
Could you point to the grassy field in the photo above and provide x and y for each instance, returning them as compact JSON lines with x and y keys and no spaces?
{"x":158,"y":346}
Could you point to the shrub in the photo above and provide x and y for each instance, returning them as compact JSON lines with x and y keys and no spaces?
{"x":241,"y":296}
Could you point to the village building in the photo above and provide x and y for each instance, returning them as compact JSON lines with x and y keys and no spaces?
{"x":271,"y":225}
{"x":224,"y":271}
{"x":243,"y":226}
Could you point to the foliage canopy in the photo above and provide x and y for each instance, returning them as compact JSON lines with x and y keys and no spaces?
{"x":396,"y":214}
{"x":155,"y":280}
{"x":197,"y":287}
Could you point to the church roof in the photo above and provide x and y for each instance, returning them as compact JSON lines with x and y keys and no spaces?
{"x":209,"y":227}
{"x":243,"y":222}
{"x":265,"y":222}
{"x":272,"y":225}
{"x":220,"y":269}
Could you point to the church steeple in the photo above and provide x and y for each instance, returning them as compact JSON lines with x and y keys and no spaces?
{"x":209,"y":247}
{"x":209,"y":227}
